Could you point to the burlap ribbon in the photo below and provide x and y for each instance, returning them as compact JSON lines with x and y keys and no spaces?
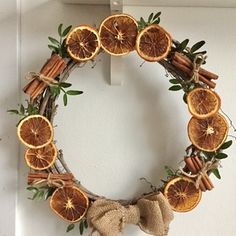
{"x":152,"y":214}
{"x":35,"y":75}
{"x":49,"y":182}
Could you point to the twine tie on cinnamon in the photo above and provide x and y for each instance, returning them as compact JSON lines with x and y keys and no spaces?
{"x":50,"y":182}
{"x":207,"y":166}
{"x":197,"y":63}
{"x":47,"y":80}
{"x":152,"y":214}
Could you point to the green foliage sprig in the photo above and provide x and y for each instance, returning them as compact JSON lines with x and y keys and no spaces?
{"x":190,"y":52}
{"x":60,"y":87}
{"x":59,"y":46}
{"x":152,"y":19}
{"x":23,"y":111}
{"x":40,"y":193}
{"x":83,"y":224}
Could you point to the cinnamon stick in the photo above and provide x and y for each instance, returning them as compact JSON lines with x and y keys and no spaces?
{"x":66,"y":178}
{"x":188,"y":63}
{"x":52,"y":68}
{"x":188,"y":72}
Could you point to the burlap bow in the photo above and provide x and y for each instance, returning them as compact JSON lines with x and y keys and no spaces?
{"x":152,"y":214}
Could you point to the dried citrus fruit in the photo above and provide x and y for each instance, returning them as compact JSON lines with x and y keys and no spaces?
{"x":118,"y":34}
{"x":203,"y":103}
{"x":83,"y":43}
{"x":41,"y":158}
{"x":70,"y":203}
{"x":153,"y":43}
{"x":182,"y":194}
{"x":208,"y":134}
{"x":35,"y":131}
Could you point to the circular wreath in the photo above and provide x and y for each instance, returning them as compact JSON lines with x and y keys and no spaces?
{"x":49,"y":176}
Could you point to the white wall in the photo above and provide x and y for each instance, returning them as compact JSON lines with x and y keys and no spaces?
{"x":113,"y":135}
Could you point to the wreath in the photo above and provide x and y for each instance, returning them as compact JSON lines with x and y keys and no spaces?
{"x":49,"y":176}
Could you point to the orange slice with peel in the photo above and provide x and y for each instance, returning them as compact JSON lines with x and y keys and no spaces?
{"x":41,"y":158}
{"x":153,"y":43}
{"x":35,"y":131}
{"x":70,"y":203}
{"x":203,"y":103}
{"x":118,"y":34}
{"x":83,"y":43}
{"x":182,"y":194}
{"x":208,"y":134}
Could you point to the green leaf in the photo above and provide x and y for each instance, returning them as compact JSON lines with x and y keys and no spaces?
{"x":60,"y":29}
{"x":65,"y":85}
{"x":226,"y":144}
{"x":74,"y":92}
{"x":70,"y":227}
{"x":85,"y":224}
{"x":13,"y":111}
{"x":185,"y":97}
{"x":157,"y":15}
{"x":54,"y":41}
{"x":150,"y":17}
{"x":175,"y":88}
{"x":22,"y":109}
{"x":183,"y":45}
{"x":169,"y":171}
{"x":142,"y":21}
{"x":81,"y":227}
{"x":53,"y":48}
{"x":55,"y":90}
{"x":32,"y":189}
{"x":196,"y":46}
{"x":174,"y":81}
{"x":157,"y":21}
{"x":65,"y":100}
{"x":221,"y":155}
{"x":48,"y":193}
{"x":66,"y":31}
{"x":216,"y":173}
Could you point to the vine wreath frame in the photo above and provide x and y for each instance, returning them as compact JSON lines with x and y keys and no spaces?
{"x":44,"y":104}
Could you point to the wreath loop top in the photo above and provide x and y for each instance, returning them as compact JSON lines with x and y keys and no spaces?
{"x":49,"y":174}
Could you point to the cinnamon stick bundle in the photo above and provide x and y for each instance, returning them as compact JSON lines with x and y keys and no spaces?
{"x":51,"y":69}
{"x":66,"y":178}
{"x":185,"y":65}
{"x":194,"y":165}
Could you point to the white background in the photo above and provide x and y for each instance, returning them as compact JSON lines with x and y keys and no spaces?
{"x":113,"y":135}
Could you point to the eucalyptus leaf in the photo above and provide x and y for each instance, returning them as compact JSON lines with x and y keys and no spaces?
{"x":183,"y":45}
{"x":60,"y":29}
{"x":197,"y":46}
{"x":169,"y":171}
{"x":157,"y":21}
{"x":66,"y":31}
{"x":226,"y":144}
{"x":65,"y":99}
{"x":54,"y":41}
{"x":22,"y":109}
{"x":81,"y":227}
{"x":221,"y":155}
{"x":32,"y":189}
{"x":175,"y":88}
{"x":65,"y":85}
{"x":185,"y":97}
{"x":13,"y":111}
{"x":53,"y":48}
{"x":150,"y":17}
{"x":174,"y":81}
{"x":73,"y":92}
{"x":70,"y":227}
{"x":85,"y":224}
{"x":216,"y":173}
{"x":156,"y":15}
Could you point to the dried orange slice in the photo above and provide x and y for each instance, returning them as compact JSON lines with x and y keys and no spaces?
{"x":208,"y":134}
{"x":41,"y":158}
{"x":182,"y":194}
{"x":203,"y":103}
{"x":118,"y":34}
{"x":153,"y":43}
{"x":70,"y":203}
{"x":35,"y":131}
{"x":83,"y":43}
